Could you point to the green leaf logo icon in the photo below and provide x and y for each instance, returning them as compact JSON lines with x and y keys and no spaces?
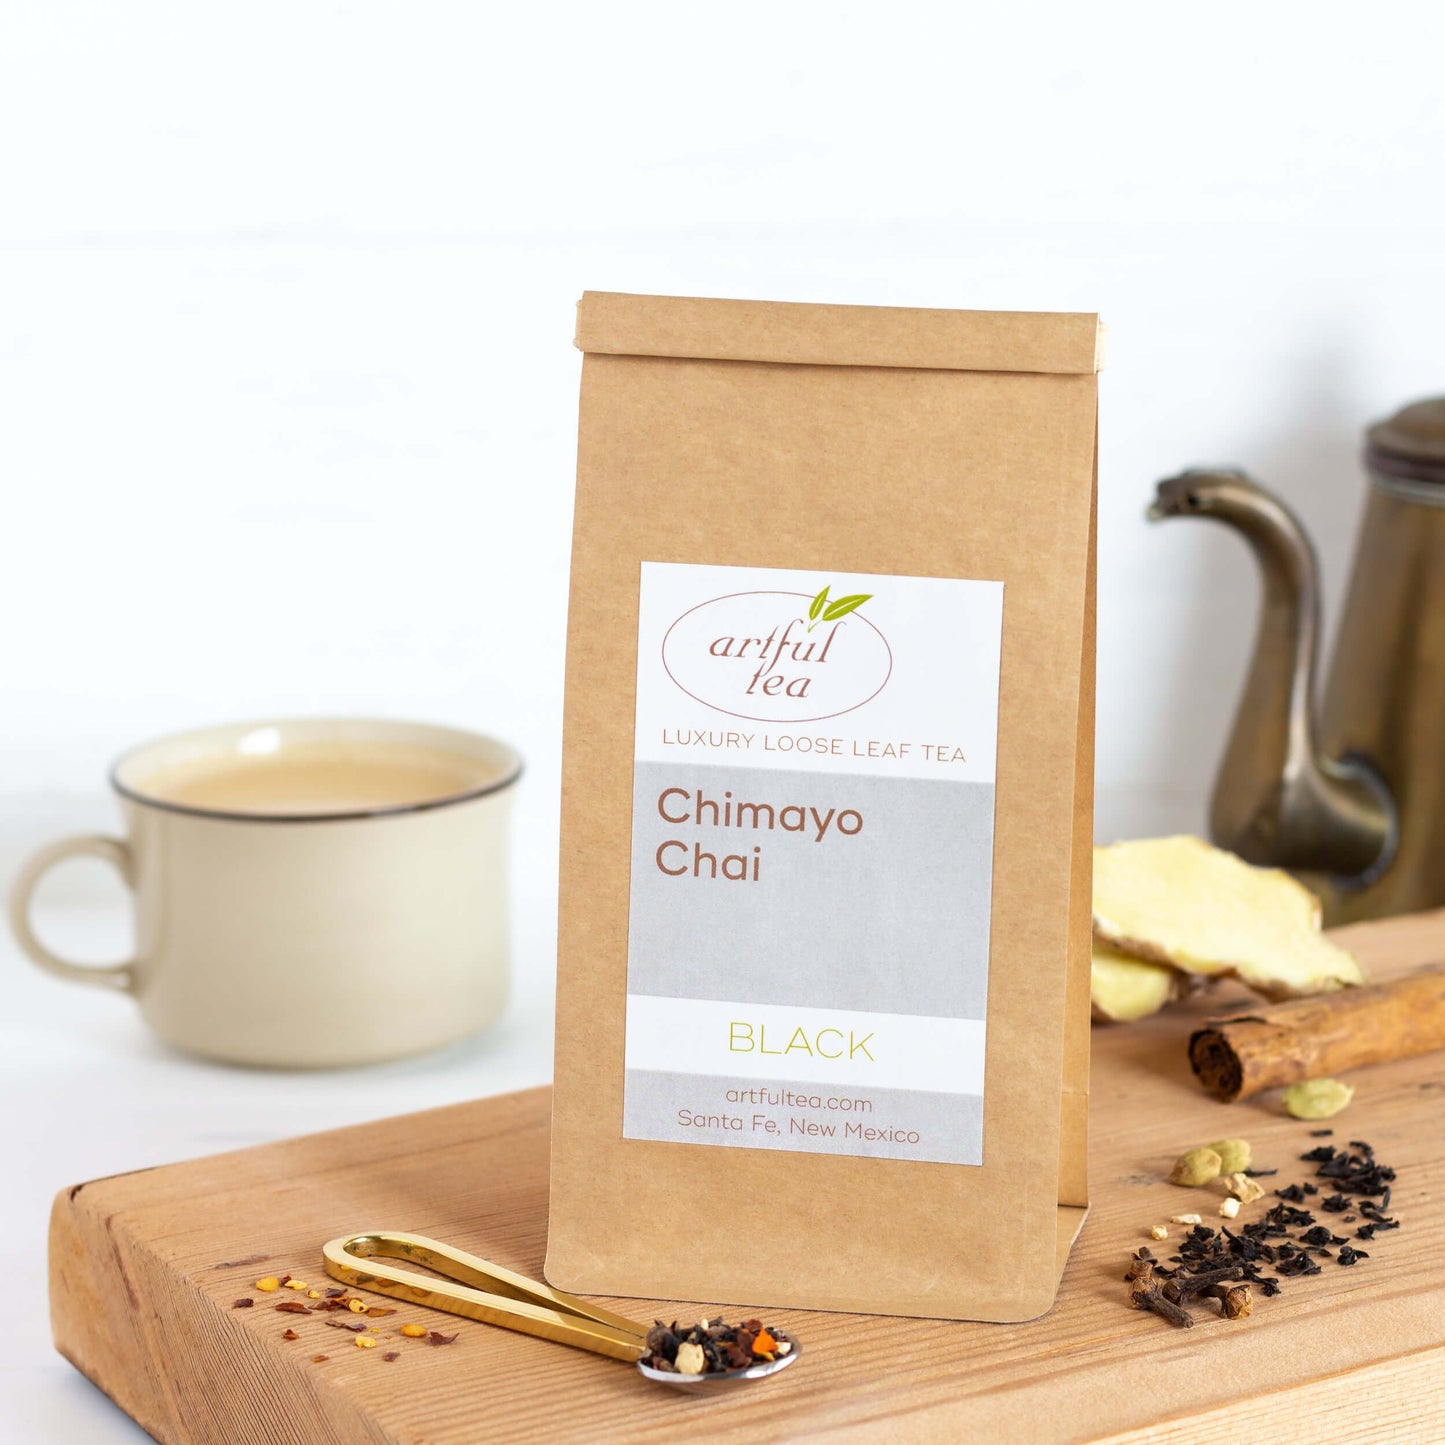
{"x":821,"y":609}
{"x":844,"y":605}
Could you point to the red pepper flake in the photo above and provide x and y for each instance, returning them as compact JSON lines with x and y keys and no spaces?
{"x":437,"y":1338}
{"x":292,"y":1307}
{"x":335,"y":1293}
{"x":392,"y":1355}
{"x":285,"y":1278}
{"x":317,"y":1359}
{"x":355,"y":1329}
{"x":290,"y":1335}
{"x":242,"y":1304}
{"x":376,"y":1312}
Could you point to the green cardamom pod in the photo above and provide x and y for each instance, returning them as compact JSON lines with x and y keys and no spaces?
{"x":1317,"y":1098}
{"x":1235,"y":1155}
{"x":1195,"y":1167}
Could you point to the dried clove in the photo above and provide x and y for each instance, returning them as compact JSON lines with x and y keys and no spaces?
{"x":1141,"y":1267}
{"x":1235,"y":1300}
{"x":1151,"y":1297}
{"x":1182,"y":1288}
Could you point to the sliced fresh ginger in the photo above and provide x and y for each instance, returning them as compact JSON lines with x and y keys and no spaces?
{"x":1123,"y":988}
{"x":1179,"y":901}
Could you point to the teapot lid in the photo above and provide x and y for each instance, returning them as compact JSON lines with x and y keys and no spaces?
{"x":1410,"y":444}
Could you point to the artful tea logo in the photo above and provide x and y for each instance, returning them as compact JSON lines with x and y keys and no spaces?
{"x":779,"y":656}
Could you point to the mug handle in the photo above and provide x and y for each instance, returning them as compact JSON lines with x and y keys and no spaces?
{"x":120,"y":976}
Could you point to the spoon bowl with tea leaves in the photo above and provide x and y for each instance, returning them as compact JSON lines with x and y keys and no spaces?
{"x":689,"y":1356}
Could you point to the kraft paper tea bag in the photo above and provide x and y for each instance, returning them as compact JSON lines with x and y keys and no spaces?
{"x":823,"y":975}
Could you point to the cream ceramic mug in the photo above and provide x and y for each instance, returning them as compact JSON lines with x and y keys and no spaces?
{"x":312,"y":893}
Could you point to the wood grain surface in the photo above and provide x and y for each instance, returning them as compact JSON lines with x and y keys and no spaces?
{"x":145,"y":1267}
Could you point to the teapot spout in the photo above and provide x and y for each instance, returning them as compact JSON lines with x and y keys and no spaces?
{"x":1277,"y":800}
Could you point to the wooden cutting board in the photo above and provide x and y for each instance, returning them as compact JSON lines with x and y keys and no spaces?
{"x":144,"y":1268}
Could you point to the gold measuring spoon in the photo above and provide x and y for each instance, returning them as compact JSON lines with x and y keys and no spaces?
{"x":480,"y":1290}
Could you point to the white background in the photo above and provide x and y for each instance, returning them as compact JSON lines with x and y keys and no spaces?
{"x":287,"y":396}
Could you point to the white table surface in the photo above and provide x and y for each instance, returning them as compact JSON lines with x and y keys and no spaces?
{"x":86,"y":1091}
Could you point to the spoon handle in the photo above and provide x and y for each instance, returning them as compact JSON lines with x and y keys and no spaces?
{"x":479,"y":1290}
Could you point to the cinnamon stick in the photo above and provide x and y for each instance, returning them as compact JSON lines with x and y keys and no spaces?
{"x":1311,"y":1038}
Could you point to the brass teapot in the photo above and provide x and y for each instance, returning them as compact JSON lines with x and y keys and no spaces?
{"x":1351,"y":797}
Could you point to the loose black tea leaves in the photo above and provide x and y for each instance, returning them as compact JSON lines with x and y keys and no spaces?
{"x":1286,"y":1242}
{"x":712,"y":1347}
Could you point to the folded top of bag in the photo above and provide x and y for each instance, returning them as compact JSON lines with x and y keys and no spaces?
{"x":1039,"y":342}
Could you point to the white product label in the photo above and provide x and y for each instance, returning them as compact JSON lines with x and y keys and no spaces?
{"x":812,"y":850}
